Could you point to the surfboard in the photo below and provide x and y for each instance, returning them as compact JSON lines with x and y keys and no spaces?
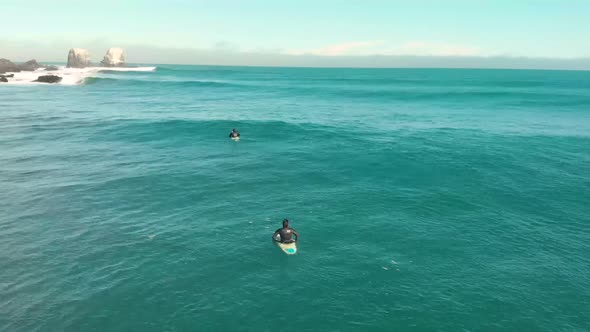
{"x":288,"y":248}
{"x":235,"y":139}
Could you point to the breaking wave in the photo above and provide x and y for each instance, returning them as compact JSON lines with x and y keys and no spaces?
{"x":70,"y":76}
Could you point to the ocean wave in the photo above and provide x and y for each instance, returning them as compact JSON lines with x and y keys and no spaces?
{"x":215,"y":131}
{"x":70,"y":76}
{"x":126,"y":69}
{"x":161,"y":82}
{"x":199,"y":69}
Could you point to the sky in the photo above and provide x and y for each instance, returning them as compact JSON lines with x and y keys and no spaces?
{"x":301,"y":32}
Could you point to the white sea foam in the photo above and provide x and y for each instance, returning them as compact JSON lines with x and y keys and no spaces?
{"x":70,"y":76}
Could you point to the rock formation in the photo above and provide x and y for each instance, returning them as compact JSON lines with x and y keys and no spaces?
{"x":48,"y":79}
{"x":7,"y":66}
{"x":114,"y":58}
{"x":4,"y":78}
{"x":78,"y":58}
{"x":30,"y":65}
{"x":51,"y":68}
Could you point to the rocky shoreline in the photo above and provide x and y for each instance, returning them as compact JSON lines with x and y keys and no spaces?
{"x":77,"y":58}
{"x":7,"y":66}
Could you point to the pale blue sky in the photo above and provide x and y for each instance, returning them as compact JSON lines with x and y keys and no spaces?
{"x":518,"y":28}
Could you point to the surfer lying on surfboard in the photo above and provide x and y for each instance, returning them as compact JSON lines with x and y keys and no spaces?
{"x":285,"y":234}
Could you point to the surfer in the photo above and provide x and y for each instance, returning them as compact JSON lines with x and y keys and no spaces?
{"x":285,"y":233}
{"x":234,"y":133}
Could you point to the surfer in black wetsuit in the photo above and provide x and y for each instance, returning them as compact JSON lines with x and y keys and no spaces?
{"x":234,"y":133}
{"x":285,"y":233}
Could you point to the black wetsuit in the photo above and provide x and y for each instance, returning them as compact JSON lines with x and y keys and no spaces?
{"x":234,"y":134}
{"x":286,"y":235}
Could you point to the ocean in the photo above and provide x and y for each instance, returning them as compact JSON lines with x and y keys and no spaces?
{"x":426,"y":200}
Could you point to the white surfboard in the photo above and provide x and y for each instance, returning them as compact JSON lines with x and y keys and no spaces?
{"x":288,"y":248}
{"x":235,"y":139}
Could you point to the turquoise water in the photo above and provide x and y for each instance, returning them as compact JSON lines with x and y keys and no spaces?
{"x":426,"y":200}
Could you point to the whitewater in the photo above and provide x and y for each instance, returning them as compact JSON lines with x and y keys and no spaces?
{"x":70,"y":76}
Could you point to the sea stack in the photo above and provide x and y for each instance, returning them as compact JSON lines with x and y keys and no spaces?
{"x":114,"y":58}
{"x":78,"y":58}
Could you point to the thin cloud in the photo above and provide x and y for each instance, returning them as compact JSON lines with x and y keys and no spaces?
{"x":380,"y":47}
{"x":436,"y":49}
{"x":346,"y":48}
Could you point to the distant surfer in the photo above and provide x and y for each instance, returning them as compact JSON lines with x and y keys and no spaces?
{"x":234,"y":133}
{"x":285,"y":234}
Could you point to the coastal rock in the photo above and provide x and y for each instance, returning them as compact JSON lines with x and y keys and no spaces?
{"x":4,"y":78}
{"x":30,"y":65}
{"x":7,"y":66}
{"x":78,"y":58}
{"x":51,"y":68}
{"x":48,"y":79}
{"x":114,"y":58}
